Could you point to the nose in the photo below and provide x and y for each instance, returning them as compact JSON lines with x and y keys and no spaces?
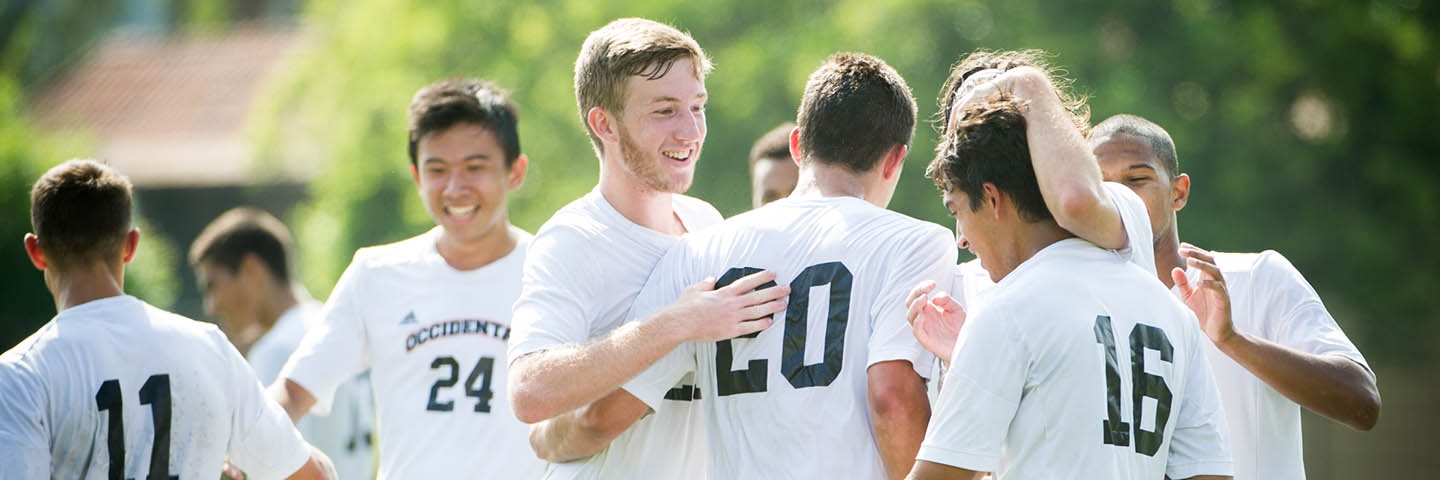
{"x":962,"y":242}
{"x":692,"y":128}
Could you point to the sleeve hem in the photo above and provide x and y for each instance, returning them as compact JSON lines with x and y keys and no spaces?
{"x":958,"y":459}
{"x":1212,"y":467}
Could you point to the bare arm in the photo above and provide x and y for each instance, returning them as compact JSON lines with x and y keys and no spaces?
{"x":1207,"y":477}
{"x":1334,"y":386}
{"x":935,"y":471}
{"x":317,"y":468}
{"x":586,"y":431}
{"x":295,"y":399}
{"x":551,"y":382}
{"x":899,"y":411}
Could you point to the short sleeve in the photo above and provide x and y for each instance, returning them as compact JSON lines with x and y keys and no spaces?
{"x":1299,"y":319}
{"x":263,"y":443}
{"x":551,"y":310}
{"x":24,"y":437}
{"x":335,"y":349}
{"x":1200,"y":444}
{"x":1136,"y":220}
{"x":664,"y":286}
{"x":980,"y":396}
{"x":931,"y":257}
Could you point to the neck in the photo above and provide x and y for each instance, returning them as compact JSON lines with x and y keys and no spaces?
{"x":78,"y":285}
{"x":820,"y":180}
{"x":639,"y":203}
{"x":1030,"y":240}
{"x":1167,"y":255}
{"x":281,"y":299}
{"x":466,"y":255}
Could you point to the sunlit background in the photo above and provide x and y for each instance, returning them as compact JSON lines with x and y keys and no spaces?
{"x":1307,"y":127}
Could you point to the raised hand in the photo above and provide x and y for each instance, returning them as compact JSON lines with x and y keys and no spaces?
{"x":935,"y":319}
{"x":709,"y":314}
{"x":1207,"y":297}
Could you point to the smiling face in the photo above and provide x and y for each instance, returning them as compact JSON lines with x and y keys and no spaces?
{"x":464,"y":183}
{"x":662,"y":128}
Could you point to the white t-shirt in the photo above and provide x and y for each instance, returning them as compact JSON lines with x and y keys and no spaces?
{"x":971,"y":279}
{"x":115,"y":383}
{"x":433,"y":338}
{"x":1269,"y":299}
{"x":1079,"y":365}
{"x":343,"y":433}
{"x":792,"y":402}
{"x":585,"y":267}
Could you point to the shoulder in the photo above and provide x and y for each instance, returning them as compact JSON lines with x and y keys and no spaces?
{"x":696,"y":209}
{"x":581,"y":219}
{"x":404,"y":251}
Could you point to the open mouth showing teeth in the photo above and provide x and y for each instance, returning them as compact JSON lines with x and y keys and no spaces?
{"x":677,"y":155}
{"x":459,"y":211}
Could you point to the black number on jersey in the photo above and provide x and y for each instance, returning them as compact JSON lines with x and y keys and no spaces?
{"x":792,"y":356}
{"x":485,"y":367}
{"x":1115,"y":431}
{"x":155,"y":393}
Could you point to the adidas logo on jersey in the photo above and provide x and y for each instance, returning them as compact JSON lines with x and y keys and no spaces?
{"x":409,"y":318}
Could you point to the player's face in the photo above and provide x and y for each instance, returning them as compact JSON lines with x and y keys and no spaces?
{"x":227,"y":297}
{"x":464,"y":183}
{"x":773,"y":179}
{"x":1129,"y":161}
{"x":663,"y":127}
{"x":971,"y":232}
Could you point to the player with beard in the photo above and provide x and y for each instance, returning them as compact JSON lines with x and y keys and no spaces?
{"x":641,"y":94}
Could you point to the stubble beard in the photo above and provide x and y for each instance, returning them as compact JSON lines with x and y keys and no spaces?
{"x":647,"y":168}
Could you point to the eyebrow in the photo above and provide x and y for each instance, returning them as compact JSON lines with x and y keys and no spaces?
{"x":667,"y":98}
{"x":1143,"y":165}
{"x":473,"y":156}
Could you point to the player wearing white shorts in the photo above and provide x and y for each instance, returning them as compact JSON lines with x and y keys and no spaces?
{"x":1073,"y":336}
{"x":1273,"y":346}
{"x":841,"y":371}
{"x":242,"y":260}
{"x":113,"y":387}
{"x":430,"y":316}
{"x":641,"y":92}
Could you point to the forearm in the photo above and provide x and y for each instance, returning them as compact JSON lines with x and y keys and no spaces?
{"x":1333,"y":386}
{"x":548,"y":383}
{"x":295,"y":399}
{"x":1065,"y":168}
{"x":586,"y":431}
{"x":899,"y":412}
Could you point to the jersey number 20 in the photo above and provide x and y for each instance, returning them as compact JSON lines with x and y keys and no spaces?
{"x":1116,"y":431}
{"x":792,"y":357}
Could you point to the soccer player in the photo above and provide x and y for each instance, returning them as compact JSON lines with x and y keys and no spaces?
{"x":113,"y":387}
{"x":773,"y":172}
{"x":641,"y":94}
{"x":1273,"y":346}
{"x":844,"y":373}
{"x":429,"y":316}
{"x":1038,"y":364}
{"x":242,"y":260}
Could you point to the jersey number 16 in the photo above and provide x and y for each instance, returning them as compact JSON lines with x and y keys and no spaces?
{"x":1116,"y":431}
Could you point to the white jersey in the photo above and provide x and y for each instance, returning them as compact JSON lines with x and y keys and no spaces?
{"x":343,"y":433}
{"x":1271,"y":300}
{"x":584,"y":269}
{"x":792,"y":401}
{"x":117,"y":388}
{"x":433,"y":338}
{"x":971,"y":279}
{"x":1079,"y":364}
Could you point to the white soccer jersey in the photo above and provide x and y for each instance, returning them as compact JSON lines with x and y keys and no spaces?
{"x":117,"y":388}
{"x":1078,"y":364}
{"x":584,"y":269}
{"x":344,"y":433}
{"x":792,"y":402}
{"x":1269,"y":299}
{"x":971,"y":279}
{"x":433,"y":338}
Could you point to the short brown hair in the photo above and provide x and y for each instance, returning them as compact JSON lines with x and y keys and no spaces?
{"x":981,"y":60}
{"x":446,"y":103}
{"x":81,"y":212}
{"x":775,"y":144}
{"x":855,"y":109}
{"x":989,"y":145}
{"x":245,"y":230}
{"x":623,"y":48}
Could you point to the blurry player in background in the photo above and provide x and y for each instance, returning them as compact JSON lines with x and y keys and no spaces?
{"x":1039,"y":364}
{"x":1273,"y":345}
{"x":773,"y":171}
{"x":430,"y":316}
{"x":640,"y":86}
{"x":244,"y":263}
{"x":113,"y":387}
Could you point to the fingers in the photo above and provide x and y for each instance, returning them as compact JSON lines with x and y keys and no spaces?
{"x":947,"y":303}
{"x":750,"y":282}
{"x":762,"y":310}
{"x":757,"y":297}
{"x":705,"y":285}
{"x":1208,"y":270}
{"x":919,"y":291}
{"x":1178,"y":275}
{"x":752,"y":326}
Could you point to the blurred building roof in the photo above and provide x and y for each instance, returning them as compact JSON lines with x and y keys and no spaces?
{"x":172,"y":111}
